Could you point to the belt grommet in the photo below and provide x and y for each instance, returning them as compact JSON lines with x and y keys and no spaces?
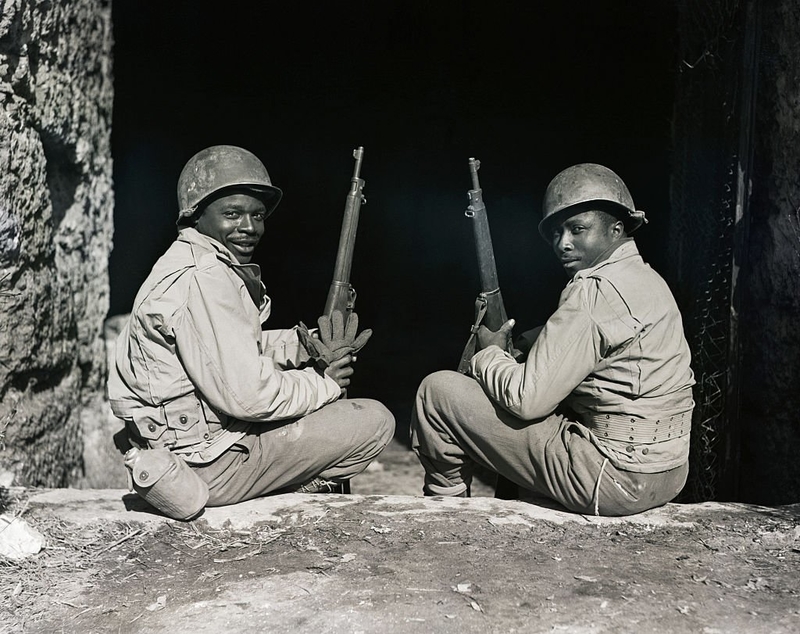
{"x":645,"y":451}
{"x":629,"y":448}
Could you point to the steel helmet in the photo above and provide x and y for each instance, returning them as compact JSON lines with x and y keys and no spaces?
{"x":587,"y":183}
{"x":219,"y":167}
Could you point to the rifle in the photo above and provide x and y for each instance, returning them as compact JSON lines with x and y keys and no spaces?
{"x":342,"y":295}
{"x":489,"y":307}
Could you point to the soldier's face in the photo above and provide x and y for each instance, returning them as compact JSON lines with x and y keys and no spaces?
{"x":236,"y":221}
{"x":581,"y":240}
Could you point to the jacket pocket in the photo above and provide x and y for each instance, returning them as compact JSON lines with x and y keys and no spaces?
{"x":150,"y":426}
{"x":185,"y":419}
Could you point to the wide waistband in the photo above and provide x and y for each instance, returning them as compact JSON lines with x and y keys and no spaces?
{"x":640,"y":430}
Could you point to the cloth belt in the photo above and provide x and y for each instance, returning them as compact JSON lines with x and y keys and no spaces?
{"x":640,"y":430}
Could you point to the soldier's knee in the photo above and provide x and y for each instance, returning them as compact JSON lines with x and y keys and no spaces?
{"x":442,"y":387}
{"x":375,"y":415}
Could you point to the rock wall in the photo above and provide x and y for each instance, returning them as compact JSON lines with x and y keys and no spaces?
{"x":56,"y":204}
{"x":770,"y":319}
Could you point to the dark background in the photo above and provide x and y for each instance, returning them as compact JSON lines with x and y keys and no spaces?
{"x":529,"y":88}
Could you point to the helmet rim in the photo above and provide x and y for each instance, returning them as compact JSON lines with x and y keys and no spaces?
{"x":585,"y":186}
{"x":222,"y":167}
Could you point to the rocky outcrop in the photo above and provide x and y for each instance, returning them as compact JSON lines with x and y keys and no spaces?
{"x":56,"y":204}
{"x":770,"y":336}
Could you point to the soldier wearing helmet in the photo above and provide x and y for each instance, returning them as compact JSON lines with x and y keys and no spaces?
{"x":595,"y":411}
{"x":217,"y":408}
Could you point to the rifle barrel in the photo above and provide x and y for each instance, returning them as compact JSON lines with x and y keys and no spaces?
{"x":347,"y":239}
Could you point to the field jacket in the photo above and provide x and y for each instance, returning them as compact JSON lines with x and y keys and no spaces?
{"x":194,"y":370}
{"x":615,"y":357}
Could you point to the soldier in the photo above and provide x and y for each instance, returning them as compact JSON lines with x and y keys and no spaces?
{"x":597,"y":415}
{"x":219,"y":410}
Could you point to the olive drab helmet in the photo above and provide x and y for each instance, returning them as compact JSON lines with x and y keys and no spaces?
{"x":588,"y":183}
{"x":220,"y":167}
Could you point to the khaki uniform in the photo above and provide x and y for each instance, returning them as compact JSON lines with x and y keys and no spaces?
{"x":195,"y":372}
{"x":606,"y":389}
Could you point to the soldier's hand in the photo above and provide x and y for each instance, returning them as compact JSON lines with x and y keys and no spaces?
{"x":341,"y":370}
{"x":500,"y":338}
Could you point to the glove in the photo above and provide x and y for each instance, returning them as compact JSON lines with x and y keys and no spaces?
{"x":335,"y":339}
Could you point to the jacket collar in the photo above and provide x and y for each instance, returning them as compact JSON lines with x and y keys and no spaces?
{"x":195,"y":238}
{"x":250,"y":274}
{"x":626,"y":249}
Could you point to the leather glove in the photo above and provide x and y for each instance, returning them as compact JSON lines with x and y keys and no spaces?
{"x":336,"y":339}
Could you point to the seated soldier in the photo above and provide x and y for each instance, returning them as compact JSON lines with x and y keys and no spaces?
{"x":597,"y":415}
{"x":218,"y":409}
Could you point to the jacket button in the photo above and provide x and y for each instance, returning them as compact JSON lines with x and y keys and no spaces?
{"x":206,"y":435}
{"x":183,"y":419}
{"x":645,"y":451}
{"x":151,"y":426}
{"x":144,"y":475}
{"x":629,"y":448}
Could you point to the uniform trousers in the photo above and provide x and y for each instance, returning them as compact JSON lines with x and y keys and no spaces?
{"x":336,"y":443}
{"x":456,"y":426}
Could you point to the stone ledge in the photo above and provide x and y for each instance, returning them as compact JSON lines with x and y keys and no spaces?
{"x":84,"y":506}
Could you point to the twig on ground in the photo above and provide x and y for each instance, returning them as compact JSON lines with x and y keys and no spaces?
{"x":118,"y":542}
{"x":72,"y":605}
{"x":257,"y":551}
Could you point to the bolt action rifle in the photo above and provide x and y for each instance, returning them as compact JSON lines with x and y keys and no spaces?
{"x":489,"y":307}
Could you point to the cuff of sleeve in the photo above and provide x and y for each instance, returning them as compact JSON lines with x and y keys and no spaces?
{"x":485,"y":357}
{"x":332,"y":388}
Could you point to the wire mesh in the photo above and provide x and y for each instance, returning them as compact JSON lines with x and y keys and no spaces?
{"x":705,"y":136}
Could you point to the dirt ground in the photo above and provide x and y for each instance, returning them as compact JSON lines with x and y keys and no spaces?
{"x":378,"y":563}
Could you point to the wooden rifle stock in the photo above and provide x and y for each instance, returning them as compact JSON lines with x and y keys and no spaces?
{"x":489,"y":307}
{"x":342,"y":295}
